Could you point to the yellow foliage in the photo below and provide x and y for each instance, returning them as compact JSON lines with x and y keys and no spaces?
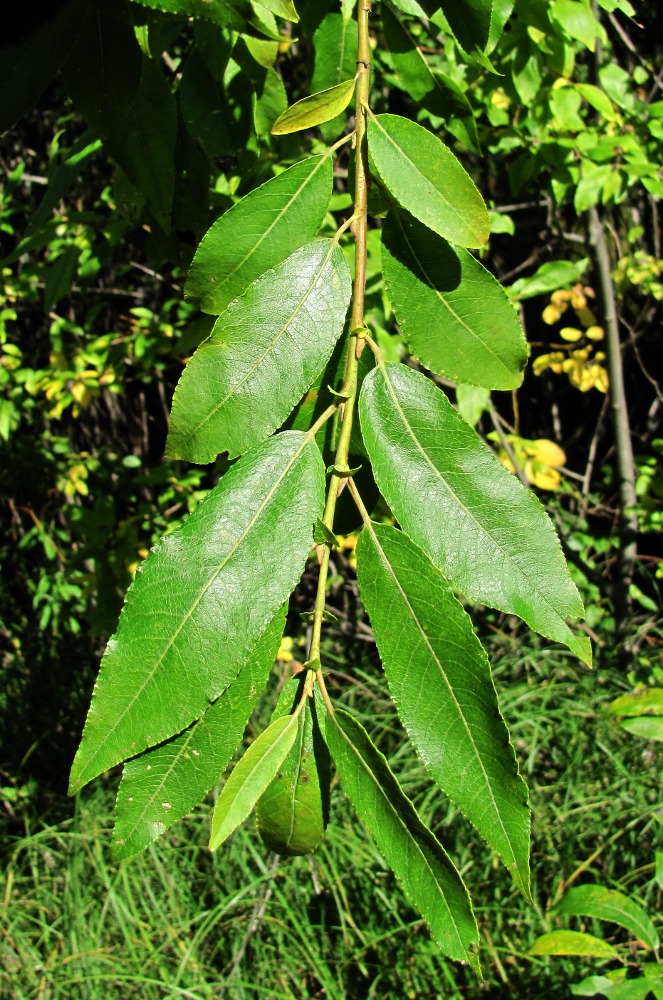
{"x":570,"y":333}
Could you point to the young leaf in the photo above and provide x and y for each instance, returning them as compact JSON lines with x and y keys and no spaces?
{"x":426,"y":179}
{"x":165,"y":783}
{"x":293,"y":811}
{"x":315,"y":110}
{"x":195,"y":609}
{"x":467,"y":512}
{"x":419,"y":861}
{"x":263,"y":354}
{"x":455,"y":314}
{"x":258,"y":233}
{"x":609,"y":904}
{"x":251,"y":776}
{"x":437,"y":93}
{"x":439,"y":678}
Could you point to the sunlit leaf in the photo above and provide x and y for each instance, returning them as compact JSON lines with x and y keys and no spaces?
{"x":465,"y":511}
{"x":315,"y":110}
{"x":609,"y":904}
{"x":572,"y":943}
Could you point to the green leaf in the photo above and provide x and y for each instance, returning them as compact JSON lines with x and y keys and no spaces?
{"x":572,"y":943}
{"x":28,"y":65}
{"x":439,"y":678}
{"x":200,"y":602}
{"x":251,"y":776}
{"x":437,"y":93}
{"x":455,"y":314}
{"x":125,"y":97}
{"x":165,"y":783}
{"x":227,"y":13}
{"x":469,"y":20}
{"x":548,"y":278}
{"x":419,"y":861}
{"x":270,"y":101}
{"x":578,"y":21}
{"x":644,"y":701}
{"x":646,"y":727}
{"x":425,"y":177}
{"x":467,"y":512}
{"x":323,"y":536}
{"x":609,"y":904}
{"x":315,"y":110}
{"x":335,"y":47}
{"x":258,"y":233}
{"x":293,"y":811}
{"x":598,"y":100}
{"x":471,"y":401}
{"x":263,"y":354}
{"x":282,"y":8}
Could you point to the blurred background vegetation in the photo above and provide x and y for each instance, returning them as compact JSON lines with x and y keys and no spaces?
{"x":94,"y":331}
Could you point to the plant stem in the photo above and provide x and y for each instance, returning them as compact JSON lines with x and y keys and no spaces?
{"x":359,"y":229}
{"x":628,"y":522}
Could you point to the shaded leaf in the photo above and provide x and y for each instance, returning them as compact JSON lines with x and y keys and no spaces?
{"x":456,"y":315}
{"x":251,"y":776}
{"x":647,"y":727}
{"x":227,"y":13}
{"x":645,"y":701}
{"x":572,"y":943}
{"x":434,"y":91}
{"x":258,"y":233}
{"x":467,"y":512}
{"x":165,"y":783}
{"x":200,"y":602}
{"x":469,"y":20}
{"x":315,"y":110}
{"x":293,"y":811}
{"x":419,"y":861}
{"x":439,"y":678}
{"x":425,"y":177}
{"x":29,"y":64}
{"x":263,"y":354}
{"x":609,"y":904}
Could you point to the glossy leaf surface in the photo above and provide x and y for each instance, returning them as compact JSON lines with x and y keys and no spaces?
{"x":315,"y":110}
{"x":425,"y":177}
{"x":419,"y":861}
{"x":251,"y":776}
{"x":195,"y":610}
{"x":458,"y":502}
{"x":609,"y":904}
{"x":455,"y":314}
{"x":439,"y":678}
{"x":264,"y":352}
{"x":259,"y":232}
{"x":165,"y":783}
{"x":292,"y":812}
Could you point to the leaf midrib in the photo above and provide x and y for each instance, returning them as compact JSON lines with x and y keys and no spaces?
{"x":193,"y":431}
{"x":460,"y":712}
{"x":428,"y":184}
{"x":323,"y":159}
{"x":401,"y":822}
{"x":192,"y":609}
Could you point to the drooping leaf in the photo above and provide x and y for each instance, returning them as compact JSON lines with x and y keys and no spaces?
{"x":282,"y":8}
{"x":28,"y":64}
{"x":469,"y":20}
{"x":425,"y":177}
{"x":315,"y":110}
{"x":293,"y":811}
{"x":258,"y":233}
{"x":263,"y":354}
{"x":439,"y":678}
{"x":609,"y":904}
{"x":165,"y":783}
{"x":434,"y":91}
{"x":572,"y":943}
{"x":455,"y":314}
{"x":419,"y":861}
{"x":125,"y":97}
{"x":200,"y":602}
{"x":251,"y":776}
{"x":466,"y":511}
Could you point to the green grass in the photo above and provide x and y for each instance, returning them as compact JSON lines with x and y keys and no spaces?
{"x":180,"y":922}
